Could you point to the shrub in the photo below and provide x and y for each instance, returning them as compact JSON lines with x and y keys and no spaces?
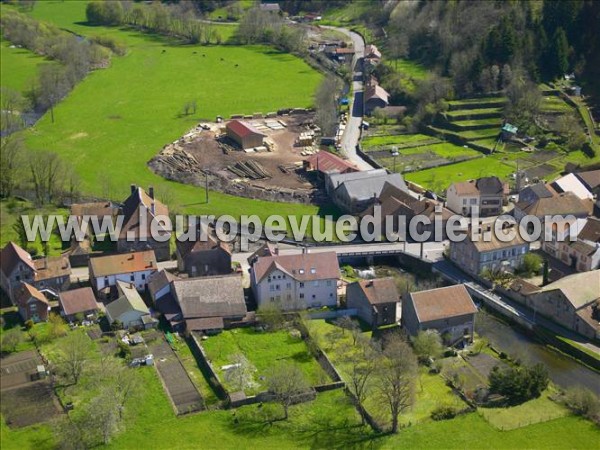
{"x":11,"y":340}
{"x":444,"y":412}
{"x":124,"y":350}
{"x":583,"y":402}
{"x":518,"y":384}
{"x":28,"y":324}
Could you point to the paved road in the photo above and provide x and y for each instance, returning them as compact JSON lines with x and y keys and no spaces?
{"x":351,"y":134}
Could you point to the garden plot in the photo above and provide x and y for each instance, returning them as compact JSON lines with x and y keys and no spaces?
{"x":24,"y":401}
{"x":262,"y":350}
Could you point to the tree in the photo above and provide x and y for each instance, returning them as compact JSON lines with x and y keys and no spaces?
{"x":532,"y":264}
{"x":47,"y":175}
{"x":396,"y":376}
{"x":12,"y":106}
{"x":57,"y":325}
{"x":427,"y":344}
{"x":72,"y":359}
{"x":287,"y":382}
{"x":326,"y":105}
{"x":12,"y":163}
{"x":361,"y":361}
{"x":569,"y":127}
{"x":271,"y":316}
{"x":518,"y":384}
{"x":11,"y":340}
{"x":53,"y":86}
{"x":559,"y":53}
{"x":241,"y":375}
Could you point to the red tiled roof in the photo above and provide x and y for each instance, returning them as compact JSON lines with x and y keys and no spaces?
{"x":208,"y":323}
{"x":77,"y":301}
{"x":52,"y":267}
{"x":381,"y":290}
{"x":123,"y":263}
{"x":27,"y":291}
{"x":11,"y":255}
{"x":303,"y":267}
{"x":242,"y":129}
{"x":442,"y":303}
{"x":328,"y":162}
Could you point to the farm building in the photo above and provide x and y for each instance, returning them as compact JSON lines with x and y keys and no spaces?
{"x":326,"y":162}
{"x":244,"y":134}
{"x":78,"y":302}
{"x":377,"y":301}
{"x":375,"y":97}
{"x":129,"y":309}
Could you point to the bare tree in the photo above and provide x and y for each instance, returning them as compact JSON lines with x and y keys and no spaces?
{"x":12,"y":106}
{"x":241,"y":375}
{"x":287,"y":382}
{"x":396,"y":375}
{"x":361,"y":361}
{"x":73,"y":355}
{"x":46,"y":175}
{"x":12,"y":162}
{"x":326,"y":105}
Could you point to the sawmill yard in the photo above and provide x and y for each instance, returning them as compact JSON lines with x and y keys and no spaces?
{"x":277,"y":164}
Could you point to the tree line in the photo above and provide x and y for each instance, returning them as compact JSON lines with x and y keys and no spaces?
{"x":45,"y":174}
{"x":265,"y":27}
{"x":76,"y":57}
{"x":178,"y":20}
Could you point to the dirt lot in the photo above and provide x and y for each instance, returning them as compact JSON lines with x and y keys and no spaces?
{"x":210,"y":155}
{"x":177,"y":383}
{"x":25,"y":402}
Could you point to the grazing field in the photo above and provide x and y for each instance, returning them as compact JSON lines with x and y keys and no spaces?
{"x":534,"y":411}
{"x":19,"y":67}
{"x":116,"y":119}
{"x":263,"y":350}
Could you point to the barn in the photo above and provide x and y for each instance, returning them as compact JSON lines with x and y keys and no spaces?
{"x":244,"y":134}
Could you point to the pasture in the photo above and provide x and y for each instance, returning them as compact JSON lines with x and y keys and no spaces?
{"x":19,"y":67}
{"x":116,"y":119}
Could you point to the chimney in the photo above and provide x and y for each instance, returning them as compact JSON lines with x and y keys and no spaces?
{"x":151,"y":192}
{"x":152,"y":207}
{"x":133,"y":188}
{"x":276,"y":250}
{"x":304,"y":250}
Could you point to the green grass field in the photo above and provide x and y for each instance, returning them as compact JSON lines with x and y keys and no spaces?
{"x":369,"y":142}
{"x":534,"y":411}
{"x":440,"y":178}
{"x":263,"y":350}
{"x":19,"y":67}
{"x":116,"y":119}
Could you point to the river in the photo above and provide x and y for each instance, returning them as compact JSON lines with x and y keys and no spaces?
{"x":563,"y":371}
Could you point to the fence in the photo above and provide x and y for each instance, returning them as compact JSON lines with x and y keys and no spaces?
{"x":206,"y":367}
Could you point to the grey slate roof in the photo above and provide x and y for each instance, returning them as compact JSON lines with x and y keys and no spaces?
{"x":210,"y":296}
{"x":367,"y":184}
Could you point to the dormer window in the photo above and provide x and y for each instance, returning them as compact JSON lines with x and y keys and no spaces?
{"x":313,"y":270}
{"x":301,"y":271}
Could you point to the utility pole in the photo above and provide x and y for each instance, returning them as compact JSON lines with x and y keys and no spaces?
{"x":394,"y":154}
{"x":206,"y":186}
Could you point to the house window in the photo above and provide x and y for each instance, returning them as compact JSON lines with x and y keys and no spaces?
{"x":132,"y":277}
{"x":272,"y":287}
{"x":277,"y":287}
{"x":301,"y":295}
{"x":143,"y":276}
{"x":301,"y":271}
{"x":313,"y":270}
{"x":301,"y":284}
{"x":328,"y":282}
{"x":316,"y":283}
{"x":288,"y":285}
{"x":314,"y":296}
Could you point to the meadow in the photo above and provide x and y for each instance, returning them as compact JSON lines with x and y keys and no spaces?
{"x":118,"y":118}
{"x":19,"y":67}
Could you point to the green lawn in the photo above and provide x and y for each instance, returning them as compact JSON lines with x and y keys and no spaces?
{"x":489,"y":123}
{"x":534,"y":411}
{"x":116,"y":119}
{"x":395,"y":139}
{"x":554,"y":103}
{"x":439,"y":178}
{"x":263,"y":350}
{"x":18,"y":69}
{"x":482,"y":100}
{"x":474,"y":112}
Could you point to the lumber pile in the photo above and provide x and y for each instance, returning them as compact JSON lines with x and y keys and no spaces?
{"x":249,"y":169}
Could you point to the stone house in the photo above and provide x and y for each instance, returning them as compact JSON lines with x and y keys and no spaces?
{"x":449,"y":310}
{"x":296,"y":282}
{"x":377,"y":301}
{"x":32,"y":304}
